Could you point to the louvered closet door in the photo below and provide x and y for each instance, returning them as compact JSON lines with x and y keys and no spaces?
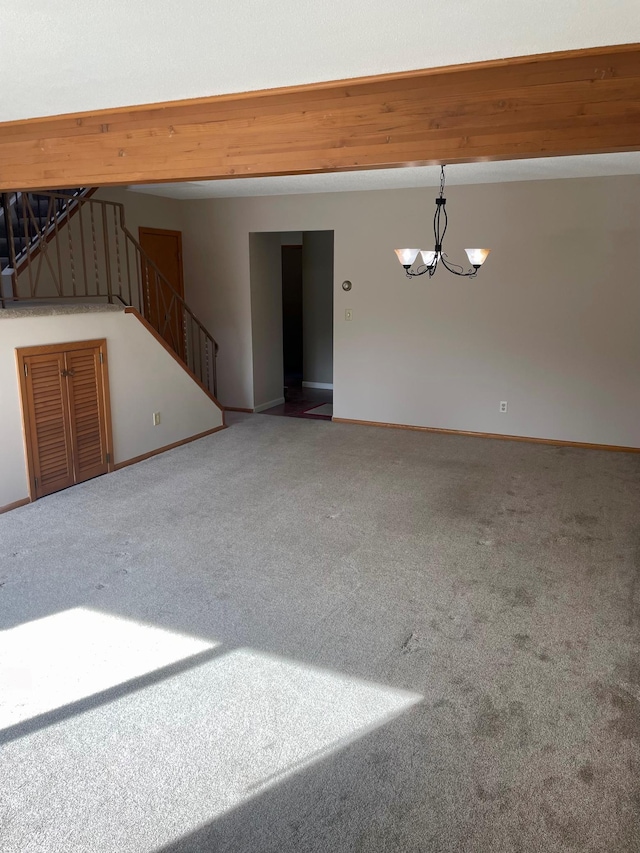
{"x":49,"y":423}
{"x":86,"y":406}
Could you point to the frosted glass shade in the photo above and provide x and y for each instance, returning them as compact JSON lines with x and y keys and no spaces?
{"x":477,"y":256}
{"x":407,"y":256}
{"x":428,"y":258}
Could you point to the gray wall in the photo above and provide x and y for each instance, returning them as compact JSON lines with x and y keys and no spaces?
{"x":550,"y":325}
{"x":143,"y":378}
{"x":317,"y":306}
{"x":266,"y":318}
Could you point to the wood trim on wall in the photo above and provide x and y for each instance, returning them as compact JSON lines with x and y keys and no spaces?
{"x":238,"y":409}
{"x":565,"y":103}
{"x":65,"y":346}
{"x":553,"y":441}
{"x":14,"y":505}
{"x":131,"y":310}
{"x":127,"y":462}
{"x":166,"y":447}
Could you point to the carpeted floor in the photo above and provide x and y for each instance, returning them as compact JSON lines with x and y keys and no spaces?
{"x":296,"y":636}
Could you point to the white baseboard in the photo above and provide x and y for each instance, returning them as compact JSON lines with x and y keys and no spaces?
{"x":327,"y":386}
{"x":268,"y":405}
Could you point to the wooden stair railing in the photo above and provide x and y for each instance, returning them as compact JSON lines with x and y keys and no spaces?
{"x":92,"y":255}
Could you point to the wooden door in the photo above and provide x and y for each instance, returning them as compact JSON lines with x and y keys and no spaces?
{"x":49,"y":423}
{"x":162,"y":309}
{"x":65,"y":405}
{"x":87,"y":413}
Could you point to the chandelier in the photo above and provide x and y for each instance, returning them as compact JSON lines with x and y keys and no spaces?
{"x":430,"y":260}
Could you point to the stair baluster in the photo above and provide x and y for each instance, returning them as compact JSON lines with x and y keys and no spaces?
{"x":43,"y":265}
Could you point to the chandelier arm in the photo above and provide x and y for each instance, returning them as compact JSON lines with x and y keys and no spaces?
{"x":459,"y":271}
{"x":422,"y":269}
{"x":446,"y":222}
{"x":441,"y":208}
{"x":440,"y":224}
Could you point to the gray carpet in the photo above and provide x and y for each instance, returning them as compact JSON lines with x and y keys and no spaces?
{"x":302,"y":636}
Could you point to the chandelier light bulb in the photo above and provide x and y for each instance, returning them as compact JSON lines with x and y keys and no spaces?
{"x":407,"y":256}
{"x":428,"y":258}
{"x":477,"y":256}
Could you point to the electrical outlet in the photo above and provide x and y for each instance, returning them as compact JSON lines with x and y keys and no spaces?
{"x":156,"y":418}
{"x":503,"y":406}
{"x":348,"y":314}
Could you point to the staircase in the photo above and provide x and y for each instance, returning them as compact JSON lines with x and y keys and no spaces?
{"x":26,"y":217}
{"x":68,"y":246}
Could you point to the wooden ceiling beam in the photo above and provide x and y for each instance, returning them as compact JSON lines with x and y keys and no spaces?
{"x":569,"y":103}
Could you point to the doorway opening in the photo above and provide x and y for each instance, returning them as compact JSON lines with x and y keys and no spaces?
{"x":292,"y":322}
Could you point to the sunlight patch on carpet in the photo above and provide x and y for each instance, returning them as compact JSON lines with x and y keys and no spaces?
{"x":74,"y":654}
{"x":150,"y":767}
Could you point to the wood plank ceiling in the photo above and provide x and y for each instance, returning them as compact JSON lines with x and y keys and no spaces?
{"x":569,"y":103}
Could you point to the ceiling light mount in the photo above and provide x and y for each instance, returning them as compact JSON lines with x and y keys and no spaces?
{"x":431,"y":259}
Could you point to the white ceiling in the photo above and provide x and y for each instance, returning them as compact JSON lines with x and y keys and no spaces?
{"x":68,"y":56}
{"x":423,"y":176}
{"x":65,"y":55}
